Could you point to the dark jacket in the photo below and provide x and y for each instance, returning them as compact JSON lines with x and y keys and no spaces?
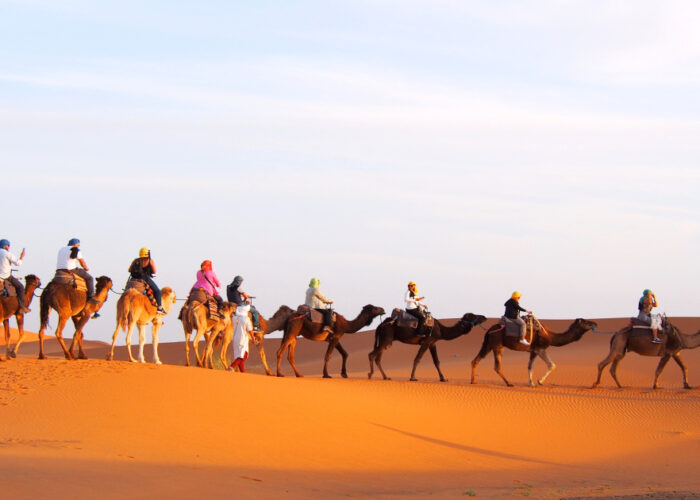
{"x":513,"y":309}
{"x":138,"y":272}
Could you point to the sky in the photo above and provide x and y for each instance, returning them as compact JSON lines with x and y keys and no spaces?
{"x":475,"y":147}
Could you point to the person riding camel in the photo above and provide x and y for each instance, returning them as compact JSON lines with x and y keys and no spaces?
{"x":316,"y":300}
{"x":143,"y":268}
{"x":7,"y":260}
{"x":513,"y":310}
{"x":240,"y":298}
{"x":208,"y":281}
{"x":413,"y":308}
{"x":646,"y":303}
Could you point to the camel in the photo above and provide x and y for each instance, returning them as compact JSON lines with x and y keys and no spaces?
{"x":134,"y":308}
{"x":387,"y":332}
{"x":9,"y":306}
{"x":276,"y":322}
{"x":300,"y":325}
{"x":673,"y":343}
{"x":194,"y":317}
{"x":495,"y":340}
{"x":72,"y":303}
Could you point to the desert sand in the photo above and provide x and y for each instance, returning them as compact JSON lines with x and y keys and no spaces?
{"x":93,"y":428}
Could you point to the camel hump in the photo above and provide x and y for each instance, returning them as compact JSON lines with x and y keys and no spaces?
{"x":7,"y":289}
{"x":67,"y":277}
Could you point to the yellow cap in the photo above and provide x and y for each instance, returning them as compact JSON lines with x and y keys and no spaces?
{"x":516,"y":295}
{"x":144,"y":252}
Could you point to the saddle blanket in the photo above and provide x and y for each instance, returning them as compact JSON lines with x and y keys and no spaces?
{"x":7,"y":287}
{"x":141,"y":286}
{"x":407,"y":320}
{"x":66,"y":277}
{"x":642,"y":328}
{"x":313,"y":315}
{"x":199,"y":295}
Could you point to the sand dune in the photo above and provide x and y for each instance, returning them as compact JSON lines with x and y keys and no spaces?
{"x":71,"y":429}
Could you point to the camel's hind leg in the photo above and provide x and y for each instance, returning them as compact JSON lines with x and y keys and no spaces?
{"x":497,"y":365}
{"x":486,"y":347}
{"x":436,"y":362}
{"x":327,"y":357}
{"x":110,"y":356}
{"x":155,"y":329}
{"x":12,"y":353}
{"x":660,"y":368}
{"x":550,"y":366}
{"x":8,"y":351}
{"x":261,"y":352}
{"x":290,"y":357}
{"x":421,"y":351}
{"x":344,"y":355}
{"x":617,"y":346}
{"x":290,"y":335}
{"x":129,"y":333}
{"x":684,"y":369}
{"x":613,"y":369}
{"x":187,"y":348}
{"x":62,"y":320}
{"x":142,"y":341}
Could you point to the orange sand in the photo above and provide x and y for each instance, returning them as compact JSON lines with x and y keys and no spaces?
{"x":86,"y":429}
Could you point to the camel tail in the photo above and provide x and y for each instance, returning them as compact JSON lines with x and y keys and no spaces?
{"x":44,"y":309}
{"x":485,"y":348}
{"x":378,"y":335}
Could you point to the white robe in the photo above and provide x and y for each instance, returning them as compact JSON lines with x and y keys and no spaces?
{"x":241,"y":326}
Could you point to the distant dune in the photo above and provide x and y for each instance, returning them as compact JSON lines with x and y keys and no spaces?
{"x":86,"y":429}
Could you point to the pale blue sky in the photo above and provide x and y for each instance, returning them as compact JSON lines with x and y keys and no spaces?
{"x":474,"y":147}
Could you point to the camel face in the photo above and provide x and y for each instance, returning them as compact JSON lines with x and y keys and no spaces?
{"x":474,"y":319}
{"x":586,"y":324}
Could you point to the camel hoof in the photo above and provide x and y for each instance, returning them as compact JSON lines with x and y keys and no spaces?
{"x":280,"y":375}
{"x":443,"y":380}
{"x":142,"y":360}
{"x":413,"y":379}
{"x":41,"y":356}
{"x":326,"y":376}
{"x":686,"y":386}
{"x":344,"y":375}
{"x":509,"y":384}
{"x":132,"y":360}
{"x":82,"y":356}
{"x":369,"y":376}
{"x":11,"y":354}
{"x":158,"y":362}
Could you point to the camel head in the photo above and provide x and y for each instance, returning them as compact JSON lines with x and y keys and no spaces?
{"x":373,"y":311}
{"x":168,"y":295}
{"x":32,"y":279}
{"x":473,"y":319}
{"x":585,"y":324}
{"x":103,"y":282}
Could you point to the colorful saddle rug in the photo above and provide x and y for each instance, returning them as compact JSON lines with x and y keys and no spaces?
{"x":401,"y":318}
{"x":313,"y":315}
{"x":141,"y":286}
{"x":199,"y":295}
{"x":7,"y":289}
{"x":66,"y":277}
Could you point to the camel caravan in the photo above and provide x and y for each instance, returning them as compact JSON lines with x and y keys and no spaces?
{"x":217,"y":324}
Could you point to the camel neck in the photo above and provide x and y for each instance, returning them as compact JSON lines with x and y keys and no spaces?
{"x":452,"y":332}
{"x":572,"y":334}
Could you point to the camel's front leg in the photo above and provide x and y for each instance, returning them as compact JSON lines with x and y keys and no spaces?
{"x":530,"y":367}
{"x":261,"y":351}
{"x":20,"y":327}
{"x":660,"y":368}
{"x":79,"y":322}
{"x":62,"y":320}
{"x":290,"y":357}
{"x":613,"y":369}
{"x":550,"y":366}
{"x":110,"y":356}
{"x":329,"y":352}
{"x":436,"y":362}
{"x":684,"y":369}
{"x":187,"y":348}
{"x":344,"y":355}
{"x":142,"y":341}
{"x":6,"y":326}
{"x":154,"y":334}
{"x":195,"y":347}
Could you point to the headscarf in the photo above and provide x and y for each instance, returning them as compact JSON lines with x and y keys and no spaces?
{"x":516,"y":295}
{"x":415,"y":289}
{"x":645,"y":294}
{"x":237,"y":281}
{"x":206,"y":265}
{"x":314,"y":283}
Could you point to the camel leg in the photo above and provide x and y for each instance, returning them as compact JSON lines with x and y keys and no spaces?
{"x":327,"y":357}
{"x":378,"y":360}
{"x":290,"y":334}
{"x":684,"y":369}
{"x":6,"y":326}
{"x":142,"y":342}
{"x":62,"y":320}
{"x":223,"y":355}
{"x":290,"y":357}
{"x":530,"y":366}
{"x":284,"y":345}
{"x":110,"y":356}
{"x":660,"y":368}
{"x":155,"y":330}
{"x":423,"y":347}
{"x":483,"y":352}
{"x":20,"y":327}
{"x":129,"y":333}
{"x":436,"y":362}
{"x":613,"y":369}
{"x":344,"y":355}
{"x":550,"y":366}
{"x":261,"y":351}
{"x":497,"y":355}
{"x":195,"y":348}
{"x":187,"y":348}
{"x":42,"y":333}
{"x":79,"y":322}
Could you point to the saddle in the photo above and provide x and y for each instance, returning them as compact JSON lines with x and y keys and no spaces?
{"x":142,"y":287}
{"x":67,"y":277}
{"x":313,"y":315}
{"x":401,"y":318}
{"x":199,"y":295}
{"x":7,"y":289}
{"x":512,"y":329}
{"x":641,"y":328}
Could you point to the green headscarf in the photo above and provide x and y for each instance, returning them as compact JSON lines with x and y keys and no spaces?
{"x":314,"y":283}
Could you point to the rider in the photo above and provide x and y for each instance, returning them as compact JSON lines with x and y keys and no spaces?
{"x":413,"y":308}
{"x":513,"y":309}
{"x":7,"y":260}
{"x":208,"y":281}
{"x":69,"y":258}
{"x":646,"y":303}
{"x":316,"y":300}
{"x":240,"y":298}
{"x":143,"y":268}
